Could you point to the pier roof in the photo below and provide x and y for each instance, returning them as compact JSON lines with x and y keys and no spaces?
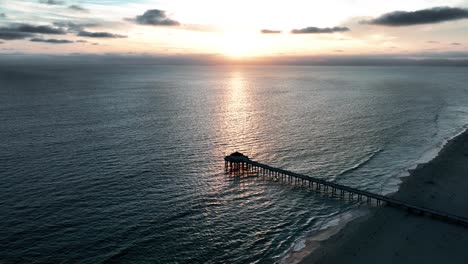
{"x":237,"y":157}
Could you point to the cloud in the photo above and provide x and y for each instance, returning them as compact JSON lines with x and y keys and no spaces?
{"x":74,"y":27}
{"x":22,"y":31}
{"x":2,"y":15}
{"x":81,"y":41}
{"x":424,"y":16}
{"x":316,"y":30}
{"x":99,"y":34}
{"x":11,"y":35}
{"x":154,"y":17}
{"x":53,"y":41}
{"x":269,"y":31}
{"x":52,"y":2}
{"x":27,"y":28}
{"x":455,"y":44}
{"x":78,"y":8}
{"x":433,"y":42}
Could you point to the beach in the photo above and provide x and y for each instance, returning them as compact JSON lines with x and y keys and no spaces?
{"x":390,"y":235}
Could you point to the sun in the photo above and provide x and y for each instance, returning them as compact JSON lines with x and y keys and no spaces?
{"x":240,"y":45}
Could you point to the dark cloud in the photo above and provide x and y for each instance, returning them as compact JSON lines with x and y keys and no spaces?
{"x":81,"y":41}
{"x":52,"y":2}
{"x":316,"y":30}
{"x":2,"y":15}
{"x":27,"y":28}
{"x":11,"y":35}
{"x":269,"y":31}
{"x":78,"y":8}
{"x":424,"y":16}
{"x":433,"y":42}
{"x":99,"y":35}
{"x":455,"y":44}
{"x":154,"y":17}
{"x":53,"y":41}
{"x":74,"y":27}
{"x":22,"y":31}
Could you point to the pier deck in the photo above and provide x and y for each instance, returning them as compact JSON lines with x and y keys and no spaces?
{"x":237,"y":162}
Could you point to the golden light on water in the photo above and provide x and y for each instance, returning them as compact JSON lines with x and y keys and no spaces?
{"x":237,"y":118}
{"x":238,"y":103}
{"x":240,"y":120}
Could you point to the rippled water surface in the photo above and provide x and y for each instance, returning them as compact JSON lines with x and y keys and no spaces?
{"x":118,"y":163}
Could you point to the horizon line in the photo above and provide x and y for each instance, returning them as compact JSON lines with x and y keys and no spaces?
{"x":413,"y":59}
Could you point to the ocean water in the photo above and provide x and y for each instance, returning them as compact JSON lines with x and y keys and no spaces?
{"x":124,"y":163}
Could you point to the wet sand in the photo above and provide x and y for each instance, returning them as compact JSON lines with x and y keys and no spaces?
{"x":390,"y":235}
{"x":312,"y":243}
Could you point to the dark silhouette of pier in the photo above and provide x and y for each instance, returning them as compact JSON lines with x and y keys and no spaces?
{"x":241,"y":164}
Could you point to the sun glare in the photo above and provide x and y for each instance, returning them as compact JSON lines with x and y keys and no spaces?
{"x":240,"y":45}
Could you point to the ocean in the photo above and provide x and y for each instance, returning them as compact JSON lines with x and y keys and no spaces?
{"x":116,"y":163}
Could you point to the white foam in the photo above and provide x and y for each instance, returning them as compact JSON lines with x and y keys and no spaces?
{"x":299,"y":244}
{"x":327,"y":228}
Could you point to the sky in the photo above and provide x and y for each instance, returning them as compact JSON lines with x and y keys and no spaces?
{"x":235,"y":29}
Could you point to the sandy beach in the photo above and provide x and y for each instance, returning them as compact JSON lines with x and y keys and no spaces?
{"x":390,"y":235}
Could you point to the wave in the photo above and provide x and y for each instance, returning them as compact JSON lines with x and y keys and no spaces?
{"x":361,"y":163}
{"x":436,"y":120}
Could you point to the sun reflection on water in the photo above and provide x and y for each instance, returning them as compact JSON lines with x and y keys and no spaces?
{"x":238,"y":125}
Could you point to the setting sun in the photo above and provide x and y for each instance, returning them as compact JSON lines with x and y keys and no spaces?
{"x":241,"y":44}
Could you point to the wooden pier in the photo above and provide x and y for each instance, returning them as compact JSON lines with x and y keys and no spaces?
{"x":239,"y":163}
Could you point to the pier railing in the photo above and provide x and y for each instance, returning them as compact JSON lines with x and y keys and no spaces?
{"x":239,"y":163}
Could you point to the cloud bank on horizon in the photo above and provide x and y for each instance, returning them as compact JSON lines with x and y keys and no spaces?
{"x":295,"y":27}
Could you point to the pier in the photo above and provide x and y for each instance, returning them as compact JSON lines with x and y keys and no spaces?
{"x":242,"y":164}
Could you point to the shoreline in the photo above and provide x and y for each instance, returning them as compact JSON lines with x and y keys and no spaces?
{"x":390,"y":235}
{"x":333,"y":227}
{"x":312,"y":241}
